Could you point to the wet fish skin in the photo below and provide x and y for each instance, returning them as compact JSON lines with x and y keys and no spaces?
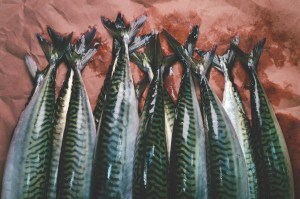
{"x":187,"y":161}
{"x":234,"y":108}
{"x":151,"y":155}
{"x":226,"y":169}
{"x":77,"y":153}
{"x":115,"y":50}
{"x":119,"y":123}
{"x":27,"y":161}
{"x":60,"y":118}
{"x":275,"y":178}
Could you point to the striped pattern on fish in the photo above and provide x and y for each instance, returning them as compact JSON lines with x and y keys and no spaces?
{"x":169,"y":108}
{"x":187,"y":160}
{"x":151,"y":156}
{"x":76,"y":164}
{"x":275,"y":178}
{"x":27,"y":161}
{"x":78,"y":145}
{"x":117,"y":133}
{"x":227,"y":173}
{"x":61,"y":109}
{"x":234,"y":108}
{"x":225,"y":165}
{"x":119,"y":121}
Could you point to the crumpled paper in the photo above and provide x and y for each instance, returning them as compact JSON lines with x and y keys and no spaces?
{"x":279,"y":72}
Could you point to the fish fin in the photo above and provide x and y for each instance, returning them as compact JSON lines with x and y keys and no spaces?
{"x":167,"y":63}
{"x":207,"y":61}
{"x":140,"y":41}
{"x":120,"y":21}
{"x":179,"y":50}
{"x":80,"y":57}
{"x":191,"y":41}
{"x":256,"y":52}
{"x":143,"y":62}
{"x":250,"y":61}
{"x":229,"y":56}
{"x":199,"y":67}
{"x":118,"y":29}
{"x":88,"y":55}
{"x":190,"y":44}
{"x":201,"y":53}
{"x":111,"y":27}
{"x":141,"y":87}
{"x":136,"y":26}
{"x":31,"y":65}
{"x":54,"y":51}
{"x":85,"y":41}
{"x":217,"y":64}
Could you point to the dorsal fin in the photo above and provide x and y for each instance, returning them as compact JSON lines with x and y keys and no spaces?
{"x":250,"y":61}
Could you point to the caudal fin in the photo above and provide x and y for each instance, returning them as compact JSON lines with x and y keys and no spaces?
{"x":199,"y":67}
{"x":120,"y":30}
{"x":54,"y":51}
{"x":250,"y":61}
{"x":31,"y":65}
{"x":227,"y":59}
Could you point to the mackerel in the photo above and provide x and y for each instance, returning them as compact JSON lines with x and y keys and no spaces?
{"x":234,"y":108}
{"x":119,"y":121}
{"x":77,"y":154}
{"x":187,"y":161}
{"x":275,"y":177}
{"x":60,"y":118}
{"x":226,"y":168}
{"x":27,"y":161}
{"x":151,"y":155}
{"x":132,"y":47}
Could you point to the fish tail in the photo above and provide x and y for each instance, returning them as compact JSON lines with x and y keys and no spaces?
{"x":250,"y":61}
{"x":54,"y":51}
{"x":186,"y":58}
{"x":31,"y":65}
{"x":227,"y":60}
{"x":83,"y":50}
{"x":121,"y":31}
{"x":191,"y":41}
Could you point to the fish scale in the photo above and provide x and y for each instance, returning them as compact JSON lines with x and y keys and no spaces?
{"x":187,"y":159}
{"x":75,"y":170}
{"x":26,"y":168}
{"x":151,"y":160}
{"x":225,"y":164}
{"x":274,"y":172}
{"x":61,"y":110}
{"x":118,"y":124}
{"x":151,"y":155}
{"x":185,"y":146}
{"x":234,"y":108}
{"x":273,"y":160}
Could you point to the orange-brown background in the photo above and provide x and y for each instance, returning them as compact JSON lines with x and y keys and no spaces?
{"x":277,"y":20}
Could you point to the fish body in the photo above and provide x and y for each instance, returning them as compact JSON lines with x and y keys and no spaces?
{"x":234,"y":108}
{"x":79,"y":137}
{"x":225,"y":164}
{"x":275,"y":178}
{"x":136,"y":43}
{"x":151,"y":155}
{"x":169,"y":109}
{"x":27,"y":161}
{"x":187,"y":160}
{"x":60,"y":118}
{"x":119,"y":121}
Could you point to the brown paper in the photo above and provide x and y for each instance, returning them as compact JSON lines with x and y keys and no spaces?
{"x":219,"y":20}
